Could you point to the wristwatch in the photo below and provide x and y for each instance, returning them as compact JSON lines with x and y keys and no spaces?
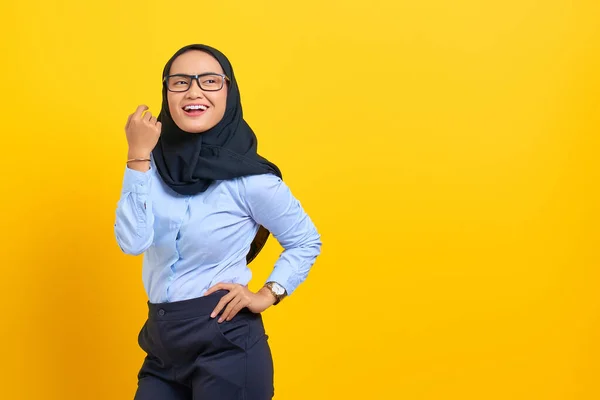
{"x":277,"y":290}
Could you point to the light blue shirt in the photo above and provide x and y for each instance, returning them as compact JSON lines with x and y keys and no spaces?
{"x":191,"y":243}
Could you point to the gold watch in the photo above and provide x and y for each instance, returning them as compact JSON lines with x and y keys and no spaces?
{"x":277,"y":290}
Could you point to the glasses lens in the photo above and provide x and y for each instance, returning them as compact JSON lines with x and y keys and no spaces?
{"x":211,"y":82}
{"x":178,"y":83}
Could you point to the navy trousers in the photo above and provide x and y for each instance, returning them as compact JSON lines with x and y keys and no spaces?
{"x":190,"y":356}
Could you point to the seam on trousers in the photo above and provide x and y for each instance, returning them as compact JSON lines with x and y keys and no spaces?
{"x":245,"y":373}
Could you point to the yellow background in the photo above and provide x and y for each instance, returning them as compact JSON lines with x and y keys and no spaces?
{"x":446,"y":149}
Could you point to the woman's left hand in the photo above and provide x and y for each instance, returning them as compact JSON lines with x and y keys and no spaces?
{"x":240,"y":296}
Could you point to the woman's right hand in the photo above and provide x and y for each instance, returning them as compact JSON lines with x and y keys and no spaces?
{"x":142,"y":131}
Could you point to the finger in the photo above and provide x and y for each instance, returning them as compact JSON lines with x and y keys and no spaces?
{"x":228,"y":313}
{"x":237,"y":309}
{"x":147,"y":116}
{"x":219,"y":286}
{"x":153,"y":120}
{"x":128,"y":121}
{"x":213,"y":289}
{"x":222,"y":303}
{"x":139,"y":111}
{"x":159,"y":126}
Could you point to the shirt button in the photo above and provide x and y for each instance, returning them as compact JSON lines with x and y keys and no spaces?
{"x":161,"y":312}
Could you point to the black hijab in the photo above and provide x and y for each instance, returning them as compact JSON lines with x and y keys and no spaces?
{"x":189,"y":162}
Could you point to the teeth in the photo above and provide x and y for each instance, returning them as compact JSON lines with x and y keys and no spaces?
{"x":195,"y":107}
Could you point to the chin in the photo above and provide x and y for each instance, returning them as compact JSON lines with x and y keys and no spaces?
{"x":192,"y":128}
{"x":195,"y":129}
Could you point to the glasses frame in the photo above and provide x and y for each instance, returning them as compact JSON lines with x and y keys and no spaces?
{"x":197,"y":79}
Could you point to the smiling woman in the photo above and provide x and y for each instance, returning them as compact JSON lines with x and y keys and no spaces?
{"x":194,"y":90}
{"x":199,"y":203}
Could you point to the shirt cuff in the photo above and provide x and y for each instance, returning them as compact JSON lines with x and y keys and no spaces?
{"x":136,"y":181}
{"x":285,"y":277}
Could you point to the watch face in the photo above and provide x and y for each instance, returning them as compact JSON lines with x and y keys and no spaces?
{"x":278,"y":289}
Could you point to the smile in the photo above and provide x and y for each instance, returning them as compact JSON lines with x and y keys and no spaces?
{"x":195,"y":109}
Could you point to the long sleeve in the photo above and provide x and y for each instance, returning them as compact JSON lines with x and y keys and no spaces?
{"x":134,"y":218}
{"x":272,"y":205}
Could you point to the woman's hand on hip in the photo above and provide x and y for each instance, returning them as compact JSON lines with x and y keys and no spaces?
{"x":240,"y":296}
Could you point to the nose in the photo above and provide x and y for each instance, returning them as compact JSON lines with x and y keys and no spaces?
{"x":194,"y":91}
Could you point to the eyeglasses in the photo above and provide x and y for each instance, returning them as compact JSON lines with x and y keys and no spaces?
{"x":209,"y":82}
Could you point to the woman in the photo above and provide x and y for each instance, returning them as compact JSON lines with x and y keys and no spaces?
{"x":199,"y":203}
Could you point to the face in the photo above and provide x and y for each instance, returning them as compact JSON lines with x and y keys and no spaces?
{"x":187,"y":108}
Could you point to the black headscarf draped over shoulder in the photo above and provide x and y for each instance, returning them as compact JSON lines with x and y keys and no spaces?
{"x":189,"y":162}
